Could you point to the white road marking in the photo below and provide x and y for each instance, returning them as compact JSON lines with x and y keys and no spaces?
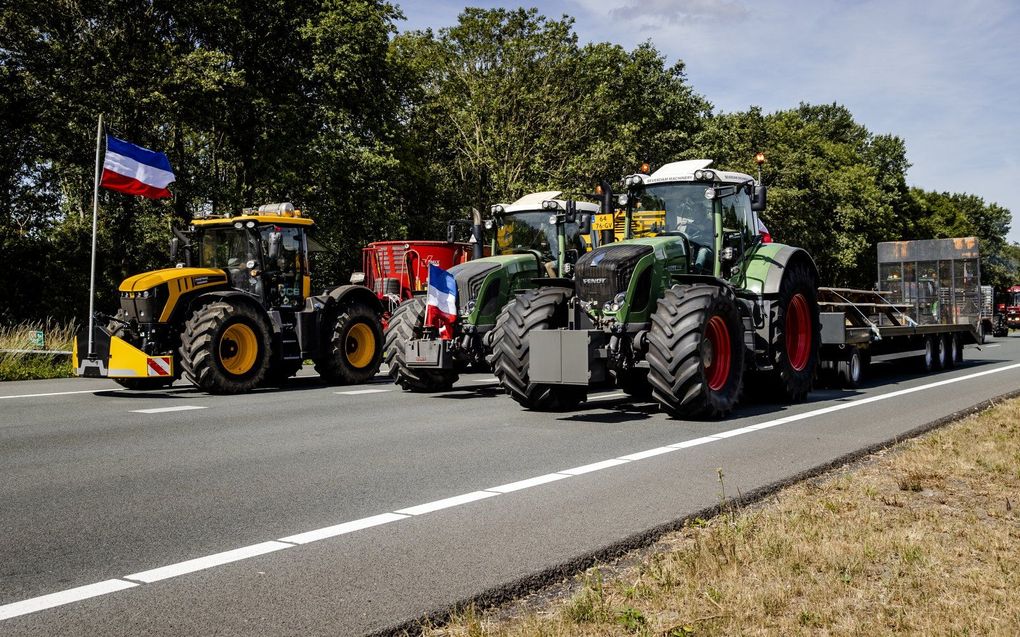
{"x":357,"y":392}
{"x":202,"y":563}
{"x":63,"y":597}
{"x":990,"y":346}
{"x":61,"y":393}
{"x":190,"y":566}
{"x":446,"y":503}
{"x":615,"y":394}
{"x":163,"y":410}
{"x":485,"y":380}
{"x":527,"y":484}
{"x":341,"y":529}
{"x":91,"y":391}
{"x":595,"y":466}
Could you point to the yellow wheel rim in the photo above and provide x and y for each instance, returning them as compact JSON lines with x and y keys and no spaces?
{"x":360,"y":345}
{"x":239,"y":349}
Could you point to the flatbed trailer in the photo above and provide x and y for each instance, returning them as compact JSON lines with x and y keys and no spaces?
{"x":860,"y":327}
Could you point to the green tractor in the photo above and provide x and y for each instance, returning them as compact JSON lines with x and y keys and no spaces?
{"x":537,"y":238}
{"x":685,"y":317}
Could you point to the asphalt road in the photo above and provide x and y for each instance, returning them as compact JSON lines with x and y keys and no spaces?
{"x":124,"y":513}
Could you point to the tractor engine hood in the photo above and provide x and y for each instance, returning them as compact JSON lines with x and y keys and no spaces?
{"x":187,"y":276}
{"x":152,"y":297}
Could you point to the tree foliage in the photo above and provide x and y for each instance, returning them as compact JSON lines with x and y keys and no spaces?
{"x":385,"y":135}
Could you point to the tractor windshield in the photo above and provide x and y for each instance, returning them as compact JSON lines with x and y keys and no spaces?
{"x":232,"y":249}
{"x":682,"y":208}
{"x":532,"y":231}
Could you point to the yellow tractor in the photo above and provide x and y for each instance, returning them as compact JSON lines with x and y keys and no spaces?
{"x":237,"y":312}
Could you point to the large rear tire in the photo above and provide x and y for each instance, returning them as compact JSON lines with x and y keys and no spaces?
{"x":225,"y":348}
{"x":696,"y":352}
{"x":353,"y":352}
{"x":407,"y":324}
{"x":797,"y":333}
{"x":541,"y":309}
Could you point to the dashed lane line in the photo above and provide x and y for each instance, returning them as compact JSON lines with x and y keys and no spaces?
{"x":94,"y":391}
{"x":164,"y":410}
{"x":174,"y":570}
{"x":358,"y":392}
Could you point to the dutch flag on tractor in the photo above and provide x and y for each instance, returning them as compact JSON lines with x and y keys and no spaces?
{"x":134,"y":170}
{"x":441,"y":301}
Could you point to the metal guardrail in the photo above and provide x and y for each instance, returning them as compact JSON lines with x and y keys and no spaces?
{"x":36,"y":351}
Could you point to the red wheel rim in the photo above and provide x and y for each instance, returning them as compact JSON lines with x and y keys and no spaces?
{"x":717,"y":362}
{"x":798,"y":332}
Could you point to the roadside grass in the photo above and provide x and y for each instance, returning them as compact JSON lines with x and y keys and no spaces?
{"x":20,"y":366}
{"x":923,"y":538}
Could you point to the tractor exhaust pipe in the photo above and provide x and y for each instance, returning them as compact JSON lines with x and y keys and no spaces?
{"x":476,"y":234}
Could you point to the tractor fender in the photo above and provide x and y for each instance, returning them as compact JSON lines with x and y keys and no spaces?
{"x":765,"y":268}
{"x":345,"y":294}
{"x":234,"y":296}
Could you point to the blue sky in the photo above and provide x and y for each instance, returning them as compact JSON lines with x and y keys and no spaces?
{"x":942,"y":75}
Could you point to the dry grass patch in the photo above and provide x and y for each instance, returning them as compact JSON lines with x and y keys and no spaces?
{"x":921,"y":539}
{"x":21,"y":366}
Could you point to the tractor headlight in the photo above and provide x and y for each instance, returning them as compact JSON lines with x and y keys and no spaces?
{"x":616,"y":304}
{"x":470,"y":307}
{"x":568,"y":269}
{"x":552,"y":220}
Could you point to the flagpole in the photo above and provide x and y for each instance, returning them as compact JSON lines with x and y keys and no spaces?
{"x":95,"y":218}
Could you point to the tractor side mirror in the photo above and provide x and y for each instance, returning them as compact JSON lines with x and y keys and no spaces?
{"x":758,"y":198}
{"x":175,"y":247}
{"x":275,"y":243}
{"x":450,"y":234}
{"x":584,"y":223}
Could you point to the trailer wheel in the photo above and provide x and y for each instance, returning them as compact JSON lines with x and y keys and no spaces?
{"x":544,"y":308}
{"x":225,"y":347}
{"x":696,"y":352}
{"x":796,"y":335}
{"x":405,"y":325}
{"x":949,"y":350}
{"x":957,"y":349}
{"x":142,"y":384}
{"x":929,"y":361}
{"x":851,"y":370}
{"x":353,"y":352}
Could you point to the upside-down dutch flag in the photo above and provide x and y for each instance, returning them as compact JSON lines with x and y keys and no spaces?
{"x":135,"y":170}
{"x":441,"y":301}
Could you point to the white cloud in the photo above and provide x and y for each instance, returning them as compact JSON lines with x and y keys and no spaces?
{"x":940,"y":74}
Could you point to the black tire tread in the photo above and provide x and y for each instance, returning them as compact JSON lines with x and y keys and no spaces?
{"x":674,"y":352}
{"x":332,"y":363}
{"x":534,"y":309}
{"x":198,"y":350}
{"x":405,"y":325}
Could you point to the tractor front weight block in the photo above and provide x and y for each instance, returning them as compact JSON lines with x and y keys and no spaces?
{"x":568,"y":357}
{"x":429,"y":354}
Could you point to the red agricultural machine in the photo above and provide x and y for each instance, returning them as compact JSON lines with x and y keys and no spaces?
{"x":1007,"y":312}
{"x":397,"y":270}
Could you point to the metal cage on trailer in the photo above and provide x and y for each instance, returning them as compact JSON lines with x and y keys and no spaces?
{"x":927,"y":304}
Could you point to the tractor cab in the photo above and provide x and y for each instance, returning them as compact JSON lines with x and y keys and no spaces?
{"x":264,"y":252}
{"x":712,"y":210}
{"x":552,"y":229}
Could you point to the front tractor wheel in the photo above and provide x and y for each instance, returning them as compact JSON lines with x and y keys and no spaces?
{"x":541,"y":309}
{"x":407,"y":324}
{"x":354,"y":351}
{"x":225,"y":348}
{"x":797,"y":334}
{"x":696,"y":352}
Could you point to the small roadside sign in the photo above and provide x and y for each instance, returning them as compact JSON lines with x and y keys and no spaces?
{"x":37,"y":339}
